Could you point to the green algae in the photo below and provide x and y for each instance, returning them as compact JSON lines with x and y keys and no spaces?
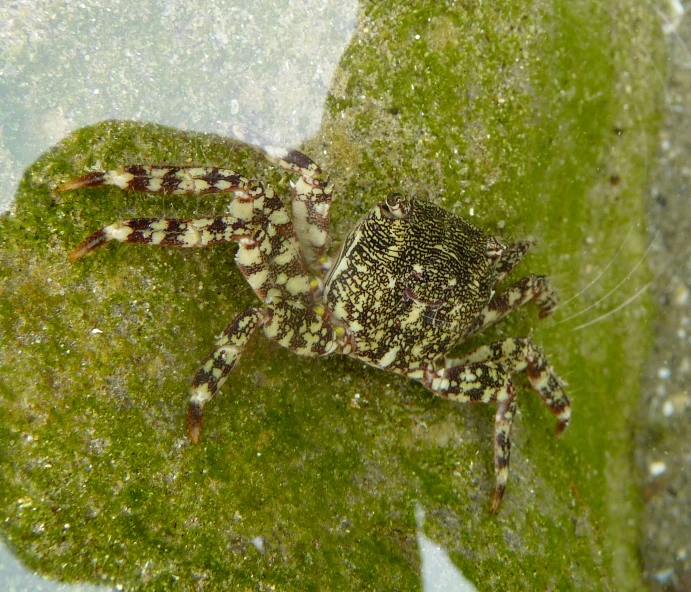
{"x":534,"y":119}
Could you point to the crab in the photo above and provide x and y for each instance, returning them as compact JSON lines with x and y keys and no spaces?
{"x":411,"y":281}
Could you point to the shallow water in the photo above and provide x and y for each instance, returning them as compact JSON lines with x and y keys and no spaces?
{"x":532,"y":119}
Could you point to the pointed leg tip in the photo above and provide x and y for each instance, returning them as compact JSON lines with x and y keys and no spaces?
{"x":90,"y":180}
{"x":561,"y":428}
{"x":74,"y":184}
{"x":69,"y":186}
{"x":94,"y":241}
{"x":194,"y":434}
{"x":194,"y":422}
{"x":563,"y":420}
{"x":496,"y":498}
{"x":548,"y":306}
{"x":545,"y":312}
{"x":77,"y":253}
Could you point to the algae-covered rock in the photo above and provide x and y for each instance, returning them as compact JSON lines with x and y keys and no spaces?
{"x":528,"y":118}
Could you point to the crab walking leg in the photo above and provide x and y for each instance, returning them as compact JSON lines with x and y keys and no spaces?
{"x":218,"y":365}
{"x":253,"y":205}
{"x":270,"y":259}
{"x":533,"y":287}
{"x":300,"y":329}
{"x":484,"y":377}
{"x":270,"y":252}
{"x":482,"y":382}
{"x":311,"y":194}
{"x":518,"y":355}
{"x":503,"y":420}
{"x":311,"y":200}
{"x":187,"y":180}
{"x":166,"y":232}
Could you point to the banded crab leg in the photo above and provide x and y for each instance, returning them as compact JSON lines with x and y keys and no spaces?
{"x":311,"y":204}
{"x":269,"y":257}
{"x":311,"y":195}
{"x":166,"y":232}
{"x":483,"y":376}
{"x":215,"y":369}
{"x":532,"y":287}
{"x":257,"y":220}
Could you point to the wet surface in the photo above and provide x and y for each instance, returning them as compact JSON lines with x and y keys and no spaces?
{"x":664,"y":437}
{"x":197,"y":66}
{"x":529,"y":120}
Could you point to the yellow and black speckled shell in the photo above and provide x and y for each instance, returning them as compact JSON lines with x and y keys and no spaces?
{"x":407,"y":287}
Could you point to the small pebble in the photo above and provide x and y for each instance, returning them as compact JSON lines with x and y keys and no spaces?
{"x":680,"y":296}
{"x":676,"y":403}
{"x":664,"y":575}
{"x":258,"y":542}
{"x":664,"y":373}
{"x":657,"y":468}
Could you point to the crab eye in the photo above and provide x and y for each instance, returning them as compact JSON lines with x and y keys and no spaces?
{"x":398,"y":205}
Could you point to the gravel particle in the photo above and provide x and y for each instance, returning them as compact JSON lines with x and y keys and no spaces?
{"x":680,"y":296}
{"x":657,"y":468}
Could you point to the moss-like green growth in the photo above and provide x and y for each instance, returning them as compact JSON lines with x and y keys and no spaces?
{"x":531,"y":118}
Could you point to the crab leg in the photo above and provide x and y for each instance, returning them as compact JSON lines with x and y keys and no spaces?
{"x":532,"y":287}
{"x":168,"y":180}
{"x":311,"y":195}
{"x":503,"y":420}
{"x":252,"y":205}
{"x":269,"y":257}
{"x":483,"y":376}
{"x":311,"y":204}
{"x":517,"y":355}
{"x":218,"y":365}
{"x":166,"y":232}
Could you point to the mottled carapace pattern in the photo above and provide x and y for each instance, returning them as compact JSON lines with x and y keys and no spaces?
{"x":407,"y":286}
{"x":411,"y":281}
